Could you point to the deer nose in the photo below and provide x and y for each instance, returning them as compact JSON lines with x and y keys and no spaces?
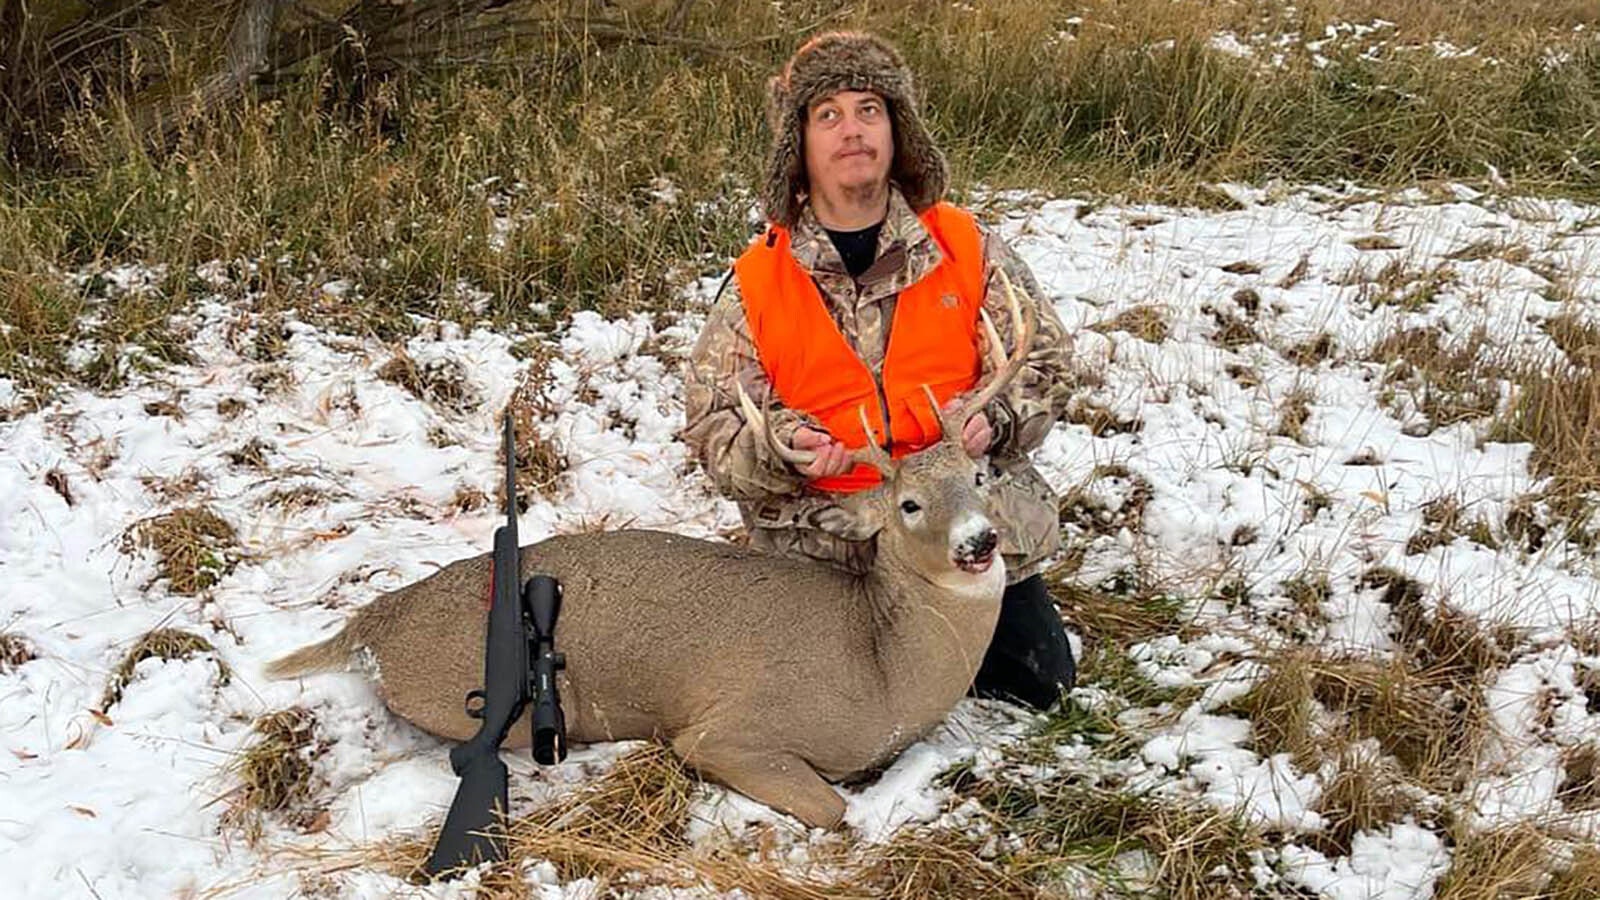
{"x":979,"y":544}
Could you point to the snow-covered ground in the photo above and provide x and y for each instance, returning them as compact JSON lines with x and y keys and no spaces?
{"x":127,"y":801}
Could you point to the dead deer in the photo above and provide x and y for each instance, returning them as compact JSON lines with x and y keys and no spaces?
{"x":770,"y":675}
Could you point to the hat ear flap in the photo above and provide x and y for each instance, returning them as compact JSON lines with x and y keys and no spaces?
{"x":919,"y":168}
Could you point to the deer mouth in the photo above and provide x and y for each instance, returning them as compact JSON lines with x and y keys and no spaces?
{"x":976,"y":565}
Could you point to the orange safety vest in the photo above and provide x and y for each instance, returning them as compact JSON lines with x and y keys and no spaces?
{"x":933,"y":341}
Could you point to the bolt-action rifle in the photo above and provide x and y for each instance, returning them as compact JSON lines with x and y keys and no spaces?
{"x":519,"y":667}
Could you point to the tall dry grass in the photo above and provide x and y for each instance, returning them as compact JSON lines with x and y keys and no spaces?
{"x":567,"y":171}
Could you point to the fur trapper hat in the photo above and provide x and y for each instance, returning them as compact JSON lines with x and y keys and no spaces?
{"x":846,"y":61}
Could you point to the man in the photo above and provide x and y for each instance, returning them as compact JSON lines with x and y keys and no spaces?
{"x":853,"y":196}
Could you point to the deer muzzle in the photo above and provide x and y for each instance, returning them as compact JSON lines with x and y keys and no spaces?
{"x":973,"y":546}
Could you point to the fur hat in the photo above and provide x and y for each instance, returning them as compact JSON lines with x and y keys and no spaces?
{"x":842,"y":61}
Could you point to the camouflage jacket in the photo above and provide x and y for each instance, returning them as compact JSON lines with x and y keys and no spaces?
{"x":773,"y":498}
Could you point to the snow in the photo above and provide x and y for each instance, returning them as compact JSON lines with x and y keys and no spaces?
{"x":146,"y":785}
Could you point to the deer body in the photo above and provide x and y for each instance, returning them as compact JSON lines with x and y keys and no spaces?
{"x":795,"y":663}
{"x":769,"y":674}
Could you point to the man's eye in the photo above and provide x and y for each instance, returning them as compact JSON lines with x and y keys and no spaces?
{"x":871,"y":111}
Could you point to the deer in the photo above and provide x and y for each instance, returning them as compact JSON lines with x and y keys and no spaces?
{"x":773,"y":676}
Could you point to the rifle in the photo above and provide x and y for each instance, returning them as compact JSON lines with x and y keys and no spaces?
{"x":520,"y":665}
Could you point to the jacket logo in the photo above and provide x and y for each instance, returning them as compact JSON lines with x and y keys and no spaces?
{"x":949,"y":301}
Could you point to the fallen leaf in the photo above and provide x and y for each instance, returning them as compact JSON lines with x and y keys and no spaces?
{"x":319,"y":823}
{"x":24,"y":755}
{"x":101,"y":717}
{"x":83,"y":811}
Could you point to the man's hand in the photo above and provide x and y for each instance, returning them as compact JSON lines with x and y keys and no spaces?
{"x":832,"y":457}
{"x":976,"y":435}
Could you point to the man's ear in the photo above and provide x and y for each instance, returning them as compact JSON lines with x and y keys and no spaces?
{"x":851,"y":521}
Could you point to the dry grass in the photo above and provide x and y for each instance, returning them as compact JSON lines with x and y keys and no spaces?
{"x":15,"y":650}
{"x":922,"y":863}
{"x":441,"y":382}
{"x":1580,"y":788}
{"x":195,"y":547}
{"x":627,"y":828}
{"x":1365,"y":793}
{"x":1447,"y":385}
{"x":1507,"y":862}
{"x":1559,"y":413}
{"x":1147,"y":323}
{"x":1082,"y":509}
{"x":1282,"y":709}
{"x":1580,"y":879}
{"x":560,"y":148}
{"x":541,"y":462}
{"x":1317,"y":350}
{"x":1100,"y":419}
{"x":276,"y":774}
{"x":1294,"y":413}
{"x":163,"y":643}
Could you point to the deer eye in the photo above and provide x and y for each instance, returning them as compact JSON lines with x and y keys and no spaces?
{"x":978,"y":478}
{"x":910,"y":506}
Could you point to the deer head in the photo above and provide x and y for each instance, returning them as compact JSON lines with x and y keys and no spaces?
{"x":929,"y":512}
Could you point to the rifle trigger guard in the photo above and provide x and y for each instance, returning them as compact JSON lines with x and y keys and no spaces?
{"x":476,"y":701}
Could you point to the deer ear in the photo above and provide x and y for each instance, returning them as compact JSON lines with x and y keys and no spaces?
{"x":851,"y":522}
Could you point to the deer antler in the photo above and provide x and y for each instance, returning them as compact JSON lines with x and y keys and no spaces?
{"x":1023,"y":324}
{"x":870,"y":454}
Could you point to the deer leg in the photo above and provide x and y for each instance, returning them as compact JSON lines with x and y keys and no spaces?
{"x":782,"y":781}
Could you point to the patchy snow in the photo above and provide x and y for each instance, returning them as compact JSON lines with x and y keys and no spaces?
{"x":1279,"y":299}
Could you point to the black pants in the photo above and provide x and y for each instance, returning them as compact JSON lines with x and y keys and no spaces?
{"x":1029,"y":661}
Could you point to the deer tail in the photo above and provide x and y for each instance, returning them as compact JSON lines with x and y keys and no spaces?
{"x":333,"y":653}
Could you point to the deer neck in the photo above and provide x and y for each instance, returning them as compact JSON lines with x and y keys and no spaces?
{"x":930,"y":633}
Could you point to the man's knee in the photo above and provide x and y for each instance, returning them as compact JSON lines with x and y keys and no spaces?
{"x":1030,"y":658}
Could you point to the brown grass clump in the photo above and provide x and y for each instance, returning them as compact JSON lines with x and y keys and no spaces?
{"x":1147,"y":323}
{"x":627,"y":828}
{"x":1314,"y":351}
{"x":163,"y":643}
{"x":1366,"y":792}
{"x":1559,"y":413}
{"x":275,"y":774}
{"x":252,"y":454}
{"x":442,"y":382}
{"x":1580,"y":789}
{"x":1578,"y":339}
{"x":1448,"y":386}
{"x":1197,"y":852}
{"x":1580,"y":880}
{"x":1505,"y":862}
{"x":1232,"y":331}
{"x":195,"y":547}
{"x":1282,"y":710}
{"x":541,"y":462}
{"x":1446,"y":642}
{"x":1099,"y":418}
{"x":1405,"y":710}
{"x":921,"y":863}
{"x":1081,"y":508}
{"x":1295,"y":412}
{"x":14,"y":651}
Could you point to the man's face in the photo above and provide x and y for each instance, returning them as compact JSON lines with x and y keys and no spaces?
{"x":849,"y":142}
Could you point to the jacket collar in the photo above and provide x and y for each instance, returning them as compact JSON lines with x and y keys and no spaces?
{"x":903,"y":233}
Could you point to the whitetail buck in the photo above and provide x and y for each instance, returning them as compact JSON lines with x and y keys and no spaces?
{"x":770,"y":675}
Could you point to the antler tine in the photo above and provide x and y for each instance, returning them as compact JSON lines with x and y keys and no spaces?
{"x":871,"y":453}
{"x":950,"y":426}
{"x":1005,"y":369}
{"x":784,"y":451}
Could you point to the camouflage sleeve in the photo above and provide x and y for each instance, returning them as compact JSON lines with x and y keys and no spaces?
{"x":1026,"y":411}
{"x":733,"y":452}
